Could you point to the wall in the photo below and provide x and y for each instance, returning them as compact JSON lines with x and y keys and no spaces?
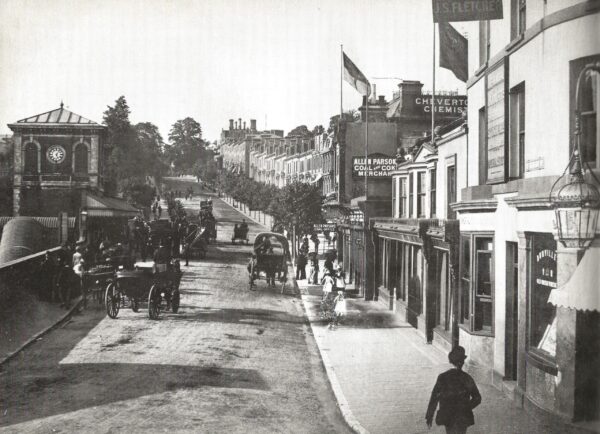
{"x":454,"y":147}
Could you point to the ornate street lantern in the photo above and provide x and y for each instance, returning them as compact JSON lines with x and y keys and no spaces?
{"x":577,"y":204}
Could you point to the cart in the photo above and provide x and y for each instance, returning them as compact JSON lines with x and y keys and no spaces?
{"x":159,"y":289}
{"x":240,"y":233}
{"x":271,"y":253}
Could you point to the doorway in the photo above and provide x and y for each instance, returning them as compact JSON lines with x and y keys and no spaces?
{"x":512,"y":311}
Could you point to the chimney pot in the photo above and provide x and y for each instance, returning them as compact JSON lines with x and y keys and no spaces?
{"x":244,"y":125}
{"x":230,"y":124}
{"x":253,"y":124}
{"x":382,"y":99}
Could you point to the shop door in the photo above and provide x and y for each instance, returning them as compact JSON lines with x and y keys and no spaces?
{"x":587,"y":368}
{"x":433,"y":291}
{"x":512,"y":314}
{"x":414,"y":288}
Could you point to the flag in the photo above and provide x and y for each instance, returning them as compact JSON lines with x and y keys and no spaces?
{"x":453,"y":51}
{"x":356,"y":78}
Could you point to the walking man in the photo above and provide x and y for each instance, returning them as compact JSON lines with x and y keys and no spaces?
{"x":457,"y":394}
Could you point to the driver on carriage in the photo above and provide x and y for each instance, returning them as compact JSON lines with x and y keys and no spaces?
{"x":162,"y":257}
{"x":244,"y":226}
{"x":264,"y":247}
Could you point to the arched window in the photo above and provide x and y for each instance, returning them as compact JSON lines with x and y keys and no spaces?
{"x":31,"y":158}
{"x":80,"y":165}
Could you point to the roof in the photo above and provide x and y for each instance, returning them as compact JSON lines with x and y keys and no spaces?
{"x":47,"y":222}
{"x":57,"y":117}
{"x":108,"y":207}
{"x":393,"y":108}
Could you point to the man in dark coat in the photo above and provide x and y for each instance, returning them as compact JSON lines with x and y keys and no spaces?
{"x":457,"y":394}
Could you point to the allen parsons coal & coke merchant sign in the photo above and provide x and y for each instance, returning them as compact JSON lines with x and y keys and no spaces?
{"x":466,"y":10}
{"x":378,"y":166}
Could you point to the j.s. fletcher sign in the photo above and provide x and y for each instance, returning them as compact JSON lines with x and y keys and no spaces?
{"x":450,"y":106}
{"x":377,"y":166}
{"x":466,"y":10}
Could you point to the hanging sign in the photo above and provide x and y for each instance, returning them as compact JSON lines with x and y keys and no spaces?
{"x":325,"y":227}
{"x":466,"y":10}
{"x":496,"y":118}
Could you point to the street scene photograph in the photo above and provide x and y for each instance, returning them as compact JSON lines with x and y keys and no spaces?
{"x":300,"y":216}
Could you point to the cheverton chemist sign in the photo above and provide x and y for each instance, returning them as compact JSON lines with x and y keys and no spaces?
{"x":377,"y":166}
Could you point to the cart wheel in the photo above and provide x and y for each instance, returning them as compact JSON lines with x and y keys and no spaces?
{"x":112,"y":300}
{"x":154,"y":302}
{"x":175,"y":297}
{"x":135,"y":305}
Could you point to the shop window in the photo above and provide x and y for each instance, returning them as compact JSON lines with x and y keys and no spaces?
{"x":432,"y":192}
{"x":32,"y":159}
{"x":590,"y":97}
{"x":516,"y":150}
{"x":421,"y":194}
{"x":542,"y":279}
{"x":518,"y":15}
{"x":477,"y":289}
{"x":81,"y":159}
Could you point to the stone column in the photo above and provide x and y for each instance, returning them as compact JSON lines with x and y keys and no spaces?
{"x":524,"y":255}
{"x":566,"y":334}
{"x":17,"y":171}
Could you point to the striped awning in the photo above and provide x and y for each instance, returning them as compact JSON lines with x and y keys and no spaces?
{"x":47,"y":222}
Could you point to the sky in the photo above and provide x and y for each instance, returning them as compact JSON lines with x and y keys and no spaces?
{"x":276,"y":61}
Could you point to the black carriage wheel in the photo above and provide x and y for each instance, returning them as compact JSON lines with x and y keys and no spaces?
{"x":154,"y":302}
{"x":175,"y":298}
{"x":112,"y":299}
{"x":135,"y":305}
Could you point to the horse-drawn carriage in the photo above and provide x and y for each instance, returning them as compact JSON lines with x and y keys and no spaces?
{"x":195,"y":241}
{"x":144,"y":283}
{"x":269,"y":261}
{"x":240,"y":232}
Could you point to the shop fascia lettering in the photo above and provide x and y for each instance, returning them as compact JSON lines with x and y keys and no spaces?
{"x":467,"y":6}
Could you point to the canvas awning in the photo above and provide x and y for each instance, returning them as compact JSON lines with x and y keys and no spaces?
{"x":582,"y":291}
{"x":108,"y":207}
{"x":317,"y":179}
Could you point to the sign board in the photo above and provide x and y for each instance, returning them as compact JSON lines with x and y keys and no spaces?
{"x":377,"y":166}
{"x":452,"y":106}
{"x":495,"y":118}
{"x":466,"y":10}
{"x":325,"y":227}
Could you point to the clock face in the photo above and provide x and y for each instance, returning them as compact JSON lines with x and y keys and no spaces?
{"x":56,"y":154}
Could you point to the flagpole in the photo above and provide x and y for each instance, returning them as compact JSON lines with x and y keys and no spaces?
{"x":433,"y":93}
{"x":341,"y":80}
{"x":367,"y":144}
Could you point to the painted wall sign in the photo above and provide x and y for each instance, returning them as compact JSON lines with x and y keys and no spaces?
{"x":377,"y":166}
{"x":446,"y":106}
{"x":466,"y":10}
{"x":496,"y":116}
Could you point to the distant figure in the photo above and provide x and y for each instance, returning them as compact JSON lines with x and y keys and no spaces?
{"x":159,"y":208}
{"x":457,"y":394}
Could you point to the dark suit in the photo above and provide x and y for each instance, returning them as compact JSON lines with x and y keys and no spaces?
{"x":457,"y":395}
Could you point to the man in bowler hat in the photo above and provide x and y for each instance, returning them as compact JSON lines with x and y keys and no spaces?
{"x":457,"y":394}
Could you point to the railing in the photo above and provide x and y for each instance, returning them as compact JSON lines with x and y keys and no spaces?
{"x":22,"y":275}
{"x":55,"y":177}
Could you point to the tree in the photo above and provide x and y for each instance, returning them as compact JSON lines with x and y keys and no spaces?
{"x":301,"y":130}
{"x":297,"y":202}
{"x":185,"y":145}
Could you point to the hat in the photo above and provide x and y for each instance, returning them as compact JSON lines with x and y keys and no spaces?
{"x":457,"y":355}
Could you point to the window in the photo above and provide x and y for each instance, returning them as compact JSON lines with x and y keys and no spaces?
{"x":421,"y":194}
{"x":589,"y":96}
{"x":482,"y":147}
{"x":450,"y":190}
{"x":542,"y":279}
{"x":81,"y":159}
{"x":516,"y":150}
{"x":518,"y":10}
{"x":477,"y":290}
{"x":403,"y":198}
{"x":484,"y":42}
{"x":410,"y":195}
{"x":432,"y":192}
{"x":32,"y":156}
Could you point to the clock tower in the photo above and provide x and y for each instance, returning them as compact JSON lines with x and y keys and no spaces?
{"x":57,"y":160}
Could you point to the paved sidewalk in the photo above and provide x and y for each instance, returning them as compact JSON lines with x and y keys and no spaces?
{"x":385,"y":372}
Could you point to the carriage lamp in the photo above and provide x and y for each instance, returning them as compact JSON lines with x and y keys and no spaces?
{"x":577,"y":203}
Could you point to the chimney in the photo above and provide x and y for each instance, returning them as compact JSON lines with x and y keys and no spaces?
{"x":235,"y":125}
{"x":240,"y":123}
{"x":374,"y":94}
{"x":382,"y":100}
{"x":244,"y":125}
{"x":253,"y":124}
{"x":230,"y":124}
